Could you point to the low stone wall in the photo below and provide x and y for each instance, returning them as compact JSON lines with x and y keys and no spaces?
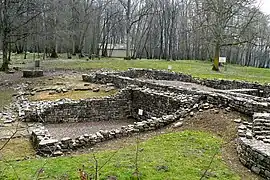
{"x":108,"y":108}
{"x":159,"y":109}
{"x":154,"y":103}
{"x":255,"y":155}
{"x":240,"y":102}
{"x":87,"y":110}
{"x":254,"y":144}
{"x":263,"y":90}
{"x":158,"y":103}
{"x":47,"y":146}
{"x":156,"y":74}
{"x":261,"y":126}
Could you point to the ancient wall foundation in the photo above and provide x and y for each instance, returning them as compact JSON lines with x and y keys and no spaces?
{"x":160,"y":104}
{"x":158,"y":110}
{"x":248,"y":98}
{"x":254,"y":144}
{"x":244,"y":103}
{"x":262,"y":90}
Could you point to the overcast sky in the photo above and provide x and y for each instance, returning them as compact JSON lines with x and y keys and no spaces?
{"x":265,"y":5}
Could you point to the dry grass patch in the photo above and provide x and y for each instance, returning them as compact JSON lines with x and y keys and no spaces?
{"x":5,"y":97}
{"x":75,"y":95}
{"x":17,"y":149}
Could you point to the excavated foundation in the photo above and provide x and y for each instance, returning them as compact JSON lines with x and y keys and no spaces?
{"x":149,"y":100}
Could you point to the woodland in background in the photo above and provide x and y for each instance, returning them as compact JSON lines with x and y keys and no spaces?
{"x":160,"y":29}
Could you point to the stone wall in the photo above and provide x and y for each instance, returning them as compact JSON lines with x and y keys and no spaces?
{"x":107,"y":108}
{"x":88,"y":110}
{"x":254,"y":144}
{"x":156,"y":103}
{"x":263,"y":90}
{"x":240,"y":102}
{"x":255,"y":155}
{"x":261,"y":126}
{"x":47,"y":146}
{"x":159,"y":109}
{"x":247,"y":106}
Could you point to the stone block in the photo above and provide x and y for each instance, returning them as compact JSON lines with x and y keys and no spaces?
{"x":32,"y":73}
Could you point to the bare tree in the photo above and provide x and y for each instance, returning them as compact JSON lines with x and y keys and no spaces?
{"x":15,"y":16}
{"x":163,"y":29}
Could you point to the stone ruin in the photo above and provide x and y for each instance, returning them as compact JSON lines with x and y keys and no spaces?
{"x":254,"y":144}
{"x":155,"y":99}
{"x":159,"y":110}
{"x":32,"y":73}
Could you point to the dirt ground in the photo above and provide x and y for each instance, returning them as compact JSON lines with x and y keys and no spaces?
{"x":74,"y":130}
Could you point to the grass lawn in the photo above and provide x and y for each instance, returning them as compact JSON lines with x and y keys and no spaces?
{"x":183,"y":155}
{"x":200,"y":69}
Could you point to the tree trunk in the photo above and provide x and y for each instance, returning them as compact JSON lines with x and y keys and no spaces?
{"x":5,"y":54}
{"x":128,"y":46}
{"x":9,"y":52}
{"x":54,"y":53}
{"x":216,"y":58}
{"x":128,"y":28}
{"x":5,"y":37}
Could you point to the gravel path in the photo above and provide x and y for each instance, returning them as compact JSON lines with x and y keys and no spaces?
{"x":74,"y":130}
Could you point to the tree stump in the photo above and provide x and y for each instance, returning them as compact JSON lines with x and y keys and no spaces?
{"x":32,"y":73}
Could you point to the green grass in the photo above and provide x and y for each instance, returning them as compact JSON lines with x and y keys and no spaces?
{"x":200,"y":69}
{"x":185,"y":155}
